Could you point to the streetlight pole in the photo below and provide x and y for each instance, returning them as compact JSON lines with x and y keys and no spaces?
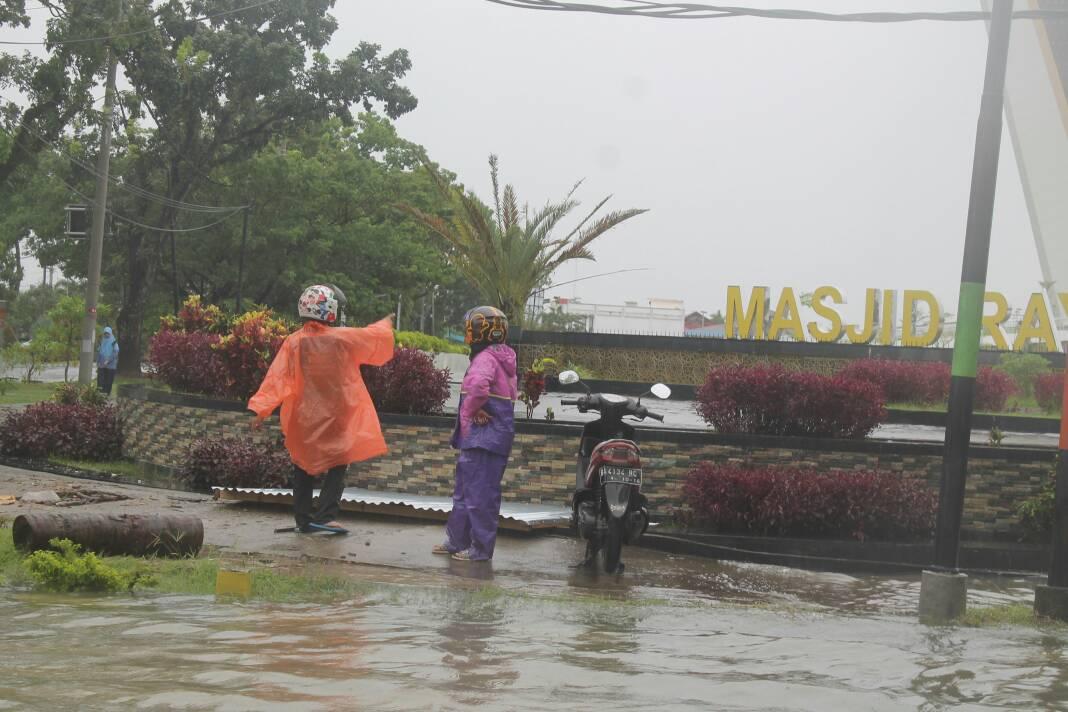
{"x":241,"y":259}
{"x":96,"y":238}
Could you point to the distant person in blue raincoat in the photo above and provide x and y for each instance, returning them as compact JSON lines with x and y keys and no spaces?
{"x":107,"y":361}
{"x":485,"y":429}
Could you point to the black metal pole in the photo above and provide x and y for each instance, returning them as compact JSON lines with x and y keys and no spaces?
{"x":972,"y":291}
{"x":1058,"y":568}
{"x":241,"y":260}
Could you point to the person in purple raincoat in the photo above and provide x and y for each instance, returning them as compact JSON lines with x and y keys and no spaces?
{"x":485,"y":429}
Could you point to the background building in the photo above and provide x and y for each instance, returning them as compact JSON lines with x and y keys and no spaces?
{"x":655,"y":316}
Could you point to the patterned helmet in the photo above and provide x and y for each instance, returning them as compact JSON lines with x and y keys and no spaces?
{"x":323,"y":302}
{"x":485,"y":325}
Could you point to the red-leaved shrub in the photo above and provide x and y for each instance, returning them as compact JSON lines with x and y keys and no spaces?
{"x":789,"y":502}
{"x":927,"y":383}
{"x":229,"y":462}
{"x":247,"y":351}
{"x":993,"y":388}
{"x":773,"y":400}
{"x":1049,"y":391}
{"x":903,"y":381}
{"x":187,"y":362}
{"x":409,"y":383}
{"x":82,"y":432}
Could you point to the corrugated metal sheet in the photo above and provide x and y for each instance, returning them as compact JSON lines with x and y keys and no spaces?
{"x":514,"y":515}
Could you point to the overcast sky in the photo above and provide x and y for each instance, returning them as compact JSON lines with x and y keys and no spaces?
{"x":769,"y":152}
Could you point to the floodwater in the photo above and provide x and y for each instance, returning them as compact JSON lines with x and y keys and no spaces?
{"x":733,"y":637}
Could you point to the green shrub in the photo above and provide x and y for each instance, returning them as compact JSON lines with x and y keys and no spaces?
{"x":1024,"y":369}
{"x":1036,"y":513}
{"x":77,"y":394}
{"x":586,"y":374}
{"x":66,"y":568}
{"x":426,"y":342}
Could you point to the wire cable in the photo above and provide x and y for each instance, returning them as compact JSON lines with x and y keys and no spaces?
{"x":120,"y":35}
{"x":154,"y":228}
{"x":697,"y":11}
{"x":136,"y":190}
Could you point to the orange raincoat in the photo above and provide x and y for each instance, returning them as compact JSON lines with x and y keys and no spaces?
{"x":327,"y":415}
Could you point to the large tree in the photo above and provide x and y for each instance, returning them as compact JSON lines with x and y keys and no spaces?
{"x":509,"y":252}
{"x":321,"y":211}
{"x":55,"y":90}
{"x":207,"y":94}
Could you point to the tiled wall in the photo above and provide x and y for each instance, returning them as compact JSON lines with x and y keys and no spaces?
{"x":542,"y":468}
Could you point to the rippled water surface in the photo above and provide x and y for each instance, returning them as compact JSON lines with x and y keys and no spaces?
{"x":735,"y":641}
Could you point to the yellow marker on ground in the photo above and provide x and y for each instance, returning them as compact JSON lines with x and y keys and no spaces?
{"x":233,"y":583}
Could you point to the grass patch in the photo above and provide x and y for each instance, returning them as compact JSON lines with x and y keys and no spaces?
{"x":1022,"y":410}
{"x":196,"y":576}
{"x":11,"y":572}
{"x":117,"y":467}
{"x":1015,"y":614}
{"x":19,"y":392}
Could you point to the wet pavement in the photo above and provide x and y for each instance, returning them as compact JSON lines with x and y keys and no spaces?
{"x":681,"y":415}
{"x":526,"y":631}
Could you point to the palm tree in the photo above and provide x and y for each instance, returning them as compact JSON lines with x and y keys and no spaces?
{"x":507,"y":252}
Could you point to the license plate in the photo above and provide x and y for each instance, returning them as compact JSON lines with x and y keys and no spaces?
{"x":622,"y":475}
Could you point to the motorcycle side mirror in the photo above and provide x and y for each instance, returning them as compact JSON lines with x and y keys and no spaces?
{"x":660,"y":391}
{"x":568,"y":377}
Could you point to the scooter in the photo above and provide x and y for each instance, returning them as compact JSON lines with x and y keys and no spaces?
{"x":608,"y":508}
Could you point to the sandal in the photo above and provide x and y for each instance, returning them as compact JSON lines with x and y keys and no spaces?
{"x":331,"y":528}
{"x":466,"y":556}
{"x":442,"y":550}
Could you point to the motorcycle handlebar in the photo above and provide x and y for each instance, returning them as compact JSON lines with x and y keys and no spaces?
{"x":568,"y":401}
{"x":654,"y":416}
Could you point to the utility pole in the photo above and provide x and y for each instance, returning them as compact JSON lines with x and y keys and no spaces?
{"x":96,"y":238}
{"x":241,"y":259}
{"x":943,"y":591}
{"x":1051,"y":600}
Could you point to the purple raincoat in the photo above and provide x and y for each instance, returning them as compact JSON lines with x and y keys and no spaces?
{"x":489,"y":385}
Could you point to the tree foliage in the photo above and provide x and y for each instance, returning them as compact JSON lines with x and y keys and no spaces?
{"x":508,"y":252}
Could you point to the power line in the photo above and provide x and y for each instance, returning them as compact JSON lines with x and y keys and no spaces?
{"x":108,"y":38}
{"x":136,"y":190}
{"x":697,"y":11}
{"x":154,"y":228}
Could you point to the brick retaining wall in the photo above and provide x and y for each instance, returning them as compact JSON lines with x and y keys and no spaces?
{"x":161,"y":426}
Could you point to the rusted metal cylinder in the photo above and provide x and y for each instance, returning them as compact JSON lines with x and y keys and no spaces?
{"x":132,"y":534}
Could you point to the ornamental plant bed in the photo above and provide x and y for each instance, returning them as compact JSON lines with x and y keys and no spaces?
{"x":927,"y":383}
{"x":773,"y":400}
{"x":408,"y":383}
{"x":75,"y":430}
{"x":1049,"y":391}
{"x":230,"y":462}
{"x":791,"y":502}
{"x":203,"y":352}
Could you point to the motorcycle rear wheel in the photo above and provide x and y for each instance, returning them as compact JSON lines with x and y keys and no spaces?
{"x":612,"y":549}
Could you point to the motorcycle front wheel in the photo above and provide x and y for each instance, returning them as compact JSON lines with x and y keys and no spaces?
{"x":613,"y":545}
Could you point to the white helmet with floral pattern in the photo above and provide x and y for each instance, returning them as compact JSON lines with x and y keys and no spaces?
{"x":323,"y":302}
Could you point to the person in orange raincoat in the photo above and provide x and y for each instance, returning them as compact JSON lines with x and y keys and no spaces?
{"x":327,"y":417}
